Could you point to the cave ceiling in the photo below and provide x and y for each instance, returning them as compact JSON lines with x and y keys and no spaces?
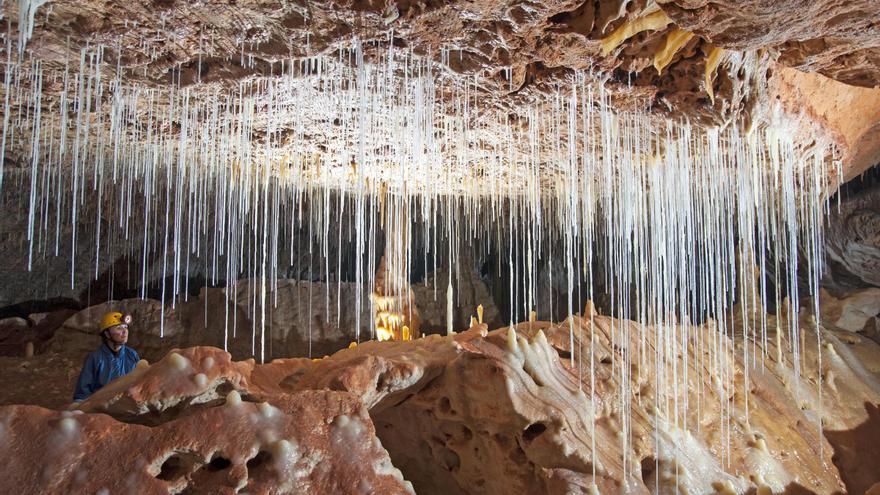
{"x":510,"y":47}
{"x":703,"y":62}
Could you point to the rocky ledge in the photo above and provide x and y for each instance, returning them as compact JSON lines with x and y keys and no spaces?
{"x":514,"y":410}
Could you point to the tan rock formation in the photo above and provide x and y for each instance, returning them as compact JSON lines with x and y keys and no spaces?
{"x":453,"y":415}
{"x":147,"y":317}
{"x":469,"y":291}
{"x":853,"y":312}
{"x":301,"y":318}
{"x":849,"y":116}
{"x":508,"y":411}
{"x":512,"y":48}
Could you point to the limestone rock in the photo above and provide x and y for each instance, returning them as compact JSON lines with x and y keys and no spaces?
{"x":508,"y":411}
{"x":853,"y":312}
{"x":852,"y":243}
{"x":311,"y":442}
{"x":509,"y":416}
{"x":306,"y":319}
{"x":146,"y":314}
{"x":183,"y":379}
{"x":845,"y":115}
{"x":837,"y":39}
{"x":462,"y":414}
{"x":469,"y":292}
{"x":14,"y":322}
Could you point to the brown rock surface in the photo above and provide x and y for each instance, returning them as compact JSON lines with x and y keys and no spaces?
{"x":480,"y":405}
{"x":514,"y":49}
{"x":311,"y":442}
{"x":302,"y":318}
{"x":479,"y":412}
{"x":838,"y":38}
{"x":184,"y":378}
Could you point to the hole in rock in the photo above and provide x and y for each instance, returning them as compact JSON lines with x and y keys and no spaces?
{"x":173,"y":468}
{"x":533,"y":431}
{"x":445,"y":405}
{"x":419,"y":450}
{"x":382,"y":382}
{"x":218,"y":463}
{"x":449,"y":458}
{"x":262,"y":458}
{"x":649,"y":465}
{"x":857,"y":452}
{"x":213,"y":473}
{"x":466,"y":433}
{"x":485,"y":270}
{"x":186,"y":407}
{"x":563,"y":353}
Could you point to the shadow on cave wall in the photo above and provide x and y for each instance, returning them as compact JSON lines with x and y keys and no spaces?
{"x":857,"y":452}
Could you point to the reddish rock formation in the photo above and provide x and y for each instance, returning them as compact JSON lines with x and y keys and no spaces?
{"x":502,"y":412}
{"x":310,"y":442}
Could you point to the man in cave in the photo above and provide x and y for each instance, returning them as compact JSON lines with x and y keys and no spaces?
{"x":110,"y":361}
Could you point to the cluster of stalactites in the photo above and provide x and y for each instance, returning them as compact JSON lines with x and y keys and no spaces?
{"x":337,"y":153}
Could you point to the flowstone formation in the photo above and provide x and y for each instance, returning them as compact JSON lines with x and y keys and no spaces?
{"x":506,"y":411}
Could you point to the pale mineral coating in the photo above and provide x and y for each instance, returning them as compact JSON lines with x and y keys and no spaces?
{"x":838,"y":38}
{"x":292,"y":446}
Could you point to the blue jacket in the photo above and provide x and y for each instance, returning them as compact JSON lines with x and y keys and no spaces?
{"x":103,"y":366}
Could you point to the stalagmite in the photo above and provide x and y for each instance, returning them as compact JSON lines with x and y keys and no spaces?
{"x":233,"y":398}
{"x":590,"y":308}
{"x":449,"y":308}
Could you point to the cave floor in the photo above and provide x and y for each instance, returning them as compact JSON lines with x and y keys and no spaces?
{"x":45,"y":380}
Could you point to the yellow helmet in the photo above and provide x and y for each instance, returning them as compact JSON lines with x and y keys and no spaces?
{"x":110,"y":320}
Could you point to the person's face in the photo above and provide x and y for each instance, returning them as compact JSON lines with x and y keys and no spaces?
{"x":118,"y":334}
